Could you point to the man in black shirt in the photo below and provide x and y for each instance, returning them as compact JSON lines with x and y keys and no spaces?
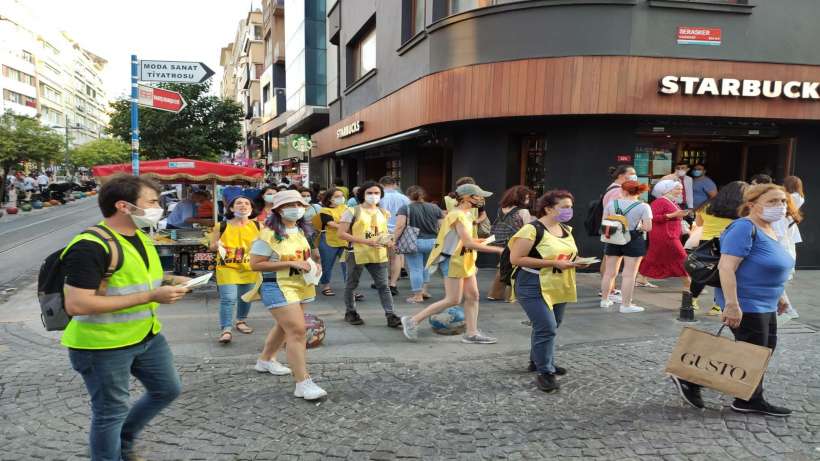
{"x":114,"y":332}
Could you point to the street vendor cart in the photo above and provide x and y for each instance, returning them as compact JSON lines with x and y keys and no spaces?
{"x":187,"y":248}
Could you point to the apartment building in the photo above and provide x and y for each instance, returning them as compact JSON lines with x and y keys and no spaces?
{"x":49,"y":75}
{"x":243,"y":62}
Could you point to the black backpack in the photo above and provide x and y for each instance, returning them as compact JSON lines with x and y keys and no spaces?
{"x":595,"y":213}
{"x":505,"y":267}
{"x":503,"y":227}
{"x":51,"y":280}
{"x":702,"y":262}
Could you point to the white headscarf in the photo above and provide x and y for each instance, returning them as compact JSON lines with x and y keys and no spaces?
{"x":663,"y":187}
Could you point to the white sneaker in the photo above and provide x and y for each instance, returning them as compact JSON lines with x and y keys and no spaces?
{"x":308,"y":390}
{"x":615,"y":297}
{"x":630,"y":309}
{"x":606,"y":304}
{"x":273,"y":367}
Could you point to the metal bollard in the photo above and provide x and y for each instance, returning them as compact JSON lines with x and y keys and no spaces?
{"x":687,"y":312}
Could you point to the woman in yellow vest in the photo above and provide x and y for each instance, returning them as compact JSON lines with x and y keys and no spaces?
{"x":365,"y":227}
{"x":232,"y":241}
{"x":454,"y":254}
{"x":331,"y":247}
{"x":544,"y":280}
{"x":712,"y":219}
{"x":282,"y":253}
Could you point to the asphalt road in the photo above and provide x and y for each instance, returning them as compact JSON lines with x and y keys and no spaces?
{"x":26,"y":239}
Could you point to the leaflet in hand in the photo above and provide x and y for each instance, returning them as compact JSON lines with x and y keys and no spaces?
{"x":312,"y":276}
{"x":488,"y":240}
{"x":199,"y":281}
{"x":586,"y":261}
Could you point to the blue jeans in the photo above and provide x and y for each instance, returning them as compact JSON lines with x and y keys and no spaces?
{"x":329,"y":255}
{"x":230,"y":296}
{"x":545,"y":322}
{"x":415,"y":264}
{"x":106,"y":374}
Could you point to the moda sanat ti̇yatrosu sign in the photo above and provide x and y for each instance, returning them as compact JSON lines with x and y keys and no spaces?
{"x":350,"y":129}
{"x":707,"y":86}
{"x":699,"y":36}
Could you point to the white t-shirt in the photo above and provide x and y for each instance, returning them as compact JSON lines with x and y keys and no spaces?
{"x":641,"y":212}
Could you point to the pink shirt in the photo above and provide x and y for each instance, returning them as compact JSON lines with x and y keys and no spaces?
{"x":612,"y":194}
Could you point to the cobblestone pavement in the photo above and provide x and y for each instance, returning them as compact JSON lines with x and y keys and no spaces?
{"x":615,"y":403}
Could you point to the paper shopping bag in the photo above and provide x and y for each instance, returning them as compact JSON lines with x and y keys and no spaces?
{"x":725,"y":365}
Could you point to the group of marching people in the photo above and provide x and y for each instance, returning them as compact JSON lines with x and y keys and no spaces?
{"x":541,"y":249}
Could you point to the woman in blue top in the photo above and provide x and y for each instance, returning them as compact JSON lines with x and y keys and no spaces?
{"x":754,"y":269}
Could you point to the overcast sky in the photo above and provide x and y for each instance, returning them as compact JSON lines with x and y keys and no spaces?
{"x":174,"y":30}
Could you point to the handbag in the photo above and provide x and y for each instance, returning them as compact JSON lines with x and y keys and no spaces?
{"x":702,"y":262}
{"x":733,"y":367}
{"x":407,"y":242}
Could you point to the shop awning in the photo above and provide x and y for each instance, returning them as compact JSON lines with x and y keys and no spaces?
{"x":380,"y":142}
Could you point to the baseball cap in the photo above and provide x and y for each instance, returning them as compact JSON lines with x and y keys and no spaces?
{"x":472,"y":189}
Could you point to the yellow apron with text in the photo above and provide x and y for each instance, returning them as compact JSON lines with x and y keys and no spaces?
{"x":462,"y":260}
{"x":367,"y":225}
{"x":332,"y":235}
{"x":235,"y":267}
{"x":294,"y":247}
{"x":450,"y":204}
{"x":557,"y":286}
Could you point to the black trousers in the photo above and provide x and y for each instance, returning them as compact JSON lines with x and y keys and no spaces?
{"x":759,"y":329}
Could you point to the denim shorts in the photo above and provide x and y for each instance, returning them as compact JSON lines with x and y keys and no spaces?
{"x":444,"y":265}
{"x":273,"y":296}
{"x":635,"y":248}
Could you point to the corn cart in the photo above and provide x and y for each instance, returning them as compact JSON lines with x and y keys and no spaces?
{"x":186,"y":250}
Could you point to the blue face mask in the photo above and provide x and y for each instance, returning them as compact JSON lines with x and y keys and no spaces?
{"x":697,"y":173}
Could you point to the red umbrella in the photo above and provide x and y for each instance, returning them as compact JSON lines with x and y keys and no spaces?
{"x":183,"y":170}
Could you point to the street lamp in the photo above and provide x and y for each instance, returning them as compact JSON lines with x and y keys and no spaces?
{"x":66,"y":127}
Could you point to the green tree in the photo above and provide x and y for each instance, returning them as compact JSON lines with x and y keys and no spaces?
{"x":206,"y":128}
{"x":24,"y":139}
{"x":100,"y":152}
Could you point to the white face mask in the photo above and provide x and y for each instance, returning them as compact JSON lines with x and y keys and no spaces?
{"x":293,"y":213}
{"x":372,"y":199}
{"x":150,"y":217}
{"x":268,"y":198}
{"x":242,"y":214}
{"x":338,"y":201}
{"x":681,"y":173}
{"x":774,"y":213}
{"x":632,"y":177}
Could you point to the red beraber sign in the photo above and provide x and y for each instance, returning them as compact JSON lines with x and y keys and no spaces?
{"x":157,"y":98}
{"x":699,"y":35}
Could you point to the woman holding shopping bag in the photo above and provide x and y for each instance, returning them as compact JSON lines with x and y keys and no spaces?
{"x":753,"y":270}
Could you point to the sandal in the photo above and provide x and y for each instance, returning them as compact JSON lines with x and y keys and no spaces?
{"x":225,"y":337}
{"x":645,"y":284}
{"x":425,"y":296}
{"x":242,"y":327}
{"x":328,"y":292}
{"x":413,"y":300}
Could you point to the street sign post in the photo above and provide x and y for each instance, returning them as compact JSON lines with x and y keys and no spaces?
{"x":135,"y":123}
{"x":174,"y":71}
{"x":159,"y":98}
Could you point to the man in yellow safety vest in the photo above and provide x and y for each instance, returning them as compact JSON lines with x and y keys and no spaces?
{"x":114,"y":331}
